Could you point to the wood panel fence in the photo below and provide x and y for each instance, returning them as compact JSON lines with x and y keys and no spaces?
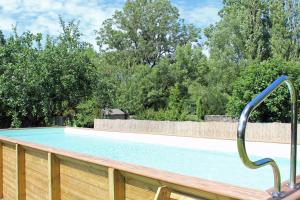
{"x":258,"y":132}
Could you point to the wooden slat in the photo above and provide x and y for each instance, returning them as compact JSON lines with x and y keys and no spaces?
{"x":116,"y":184}
{"x":36,"y":176}
{"x":37,"y":161}
{"x":92,"y":174}
{"x":9,"y":171}
{"x":162,"y":193}
{"x":20,"y":172}
{"x":73,"y":187}
{"x":53,"y":177}
{"x":82,"y":180}
{"x":177,"y":196}
{"x":139,"y":188}
{"x":1,"y":171}
{"x":36,"y":185}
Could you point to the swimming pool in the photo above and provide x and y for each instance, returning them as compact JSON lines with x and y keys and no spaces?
{"x":218,"y":166}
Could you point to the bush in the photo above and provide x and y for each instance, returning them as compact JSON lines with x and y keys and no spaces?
{"x":257,"y":77}
{"x":161,"y":115}
{"x":86,"y":112}
{"x":200,"y":111}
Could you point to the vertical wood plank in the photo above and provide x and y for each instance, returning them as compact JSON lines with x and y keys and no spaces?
{"x":116,"y":184}
{"x":20,"y":172}
{"x":53,"y":177}
{"x":1,"y":170}
{"x":162,"y":193}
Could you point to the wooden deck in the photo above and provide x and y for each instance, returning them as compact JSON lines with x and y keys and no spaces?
{"x":35,"y":172}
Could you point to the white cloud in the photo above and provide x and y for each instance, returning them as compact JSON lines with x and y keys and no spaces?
{"x":6,"y":23}
{"x":43,"y":24}
{"x":41,"y":6}
{"x":42,"y":16}
{"x":202,"y":16}
{"x":10,"y":5}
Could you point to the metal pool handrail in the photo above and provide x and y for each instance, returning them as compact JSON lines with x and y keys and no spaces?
{"x":268,"y":161}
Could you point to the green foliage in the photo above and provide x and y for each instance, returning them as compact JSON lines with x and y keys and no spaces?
{"x":151,"y":65}
{"x":2,"y":39}
{"x":190,"y":64}
{"x":178,"y":94}
{"x":256,"y":30}
{"x":144,"y":31}
{"x":257,"y":77}
{"x":161,"y":115}
{"x":285,"y":19}
{"x":86,"y":112}
{"x":132,"y":92}
{"x":248,"y":33}
{"x":200,"y":110}
{"x":242,"y":32}
{"x":38,"y":83}
{"x":151,"y":114}
{"x":21,"y":79}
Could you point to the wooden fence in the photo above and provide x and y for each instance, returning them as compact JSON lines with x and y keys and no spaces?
{"x":259,"y":132}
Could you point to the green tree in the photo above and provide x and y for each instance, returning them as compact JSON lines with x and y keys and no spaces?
{"x":200,"y":111}
{"x":86,"y":112}
{"x":69,"y":69}
{"x":39,"y":82}
{"x":242,"y":33}
{"x":2,"y":39}
{"x":145,"y":31}
{"x":190,"y":64}
{"x":249,"y":32}
{"x":257,"y":77}
{"x":176,"y":104}
{"x":132,"y":93}
{"x":21,"y":77}
{"x":285,"y":18}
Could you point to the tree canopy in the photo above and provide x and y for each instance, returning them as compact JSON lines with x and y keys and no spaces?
{"x":151,"y":64}
{"x":145,"y":31}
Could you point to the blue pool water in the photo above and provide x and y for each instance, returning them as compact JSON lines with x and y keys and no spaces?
{"x":212,"y":165}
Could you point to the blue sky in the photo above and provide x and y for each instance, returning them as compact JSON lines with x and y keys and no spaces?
{"x":42,"y":15}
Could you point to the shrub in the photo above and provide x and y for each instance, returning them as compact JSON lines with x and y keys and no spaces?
{"x":257,"y":77}
{"x":161,"y":115}
{"x":86,"y":112}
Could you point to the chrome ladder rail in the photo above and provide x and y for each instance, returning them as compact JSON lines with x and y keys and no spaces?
{"x":268,"y":161}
